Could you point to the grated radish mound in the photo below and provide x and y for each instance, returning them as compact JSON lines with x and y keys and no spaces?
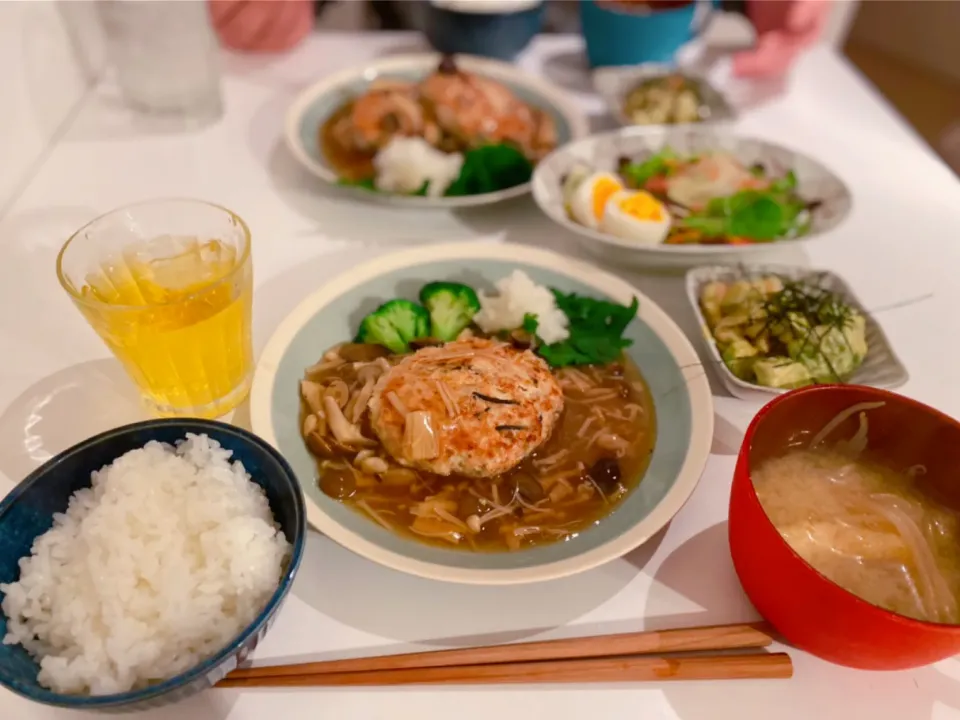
{"x":519,"y":296}
{"x":162,"y":562}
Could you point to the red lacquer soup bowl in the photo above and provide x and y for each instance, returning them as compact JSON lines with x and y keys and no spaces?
{"x":810,"y":611}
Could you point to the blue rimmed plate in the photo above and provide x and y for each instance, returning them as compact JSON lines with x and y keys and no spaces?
{"x":315,"y":104}
{"x":677,"y":381}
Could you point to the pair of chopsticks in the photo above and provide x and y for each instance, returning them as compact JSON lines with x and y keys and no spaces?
{"x":630,"y":657}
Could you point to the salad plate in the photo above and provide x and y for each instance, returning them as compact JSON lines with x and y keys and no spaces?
{"x":686,"y":195}
{"x":321,"y":127}
{"x":377,"y":303}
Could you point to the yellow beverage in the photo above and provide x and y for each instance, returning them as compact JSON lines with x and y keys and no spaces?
{"x":176,"y":311}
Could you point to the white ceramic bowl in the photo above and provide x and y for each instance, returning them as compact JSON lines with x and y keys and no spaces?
{"x":614,"y":84}
{"x":814,"y":181}
{"x":315,"y":104}
{"x":677,"y":381}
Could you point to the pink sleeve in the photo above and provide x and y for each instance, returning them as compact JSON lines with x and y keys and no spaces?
{"x":261,"y":25}
{"x":784,"y":29}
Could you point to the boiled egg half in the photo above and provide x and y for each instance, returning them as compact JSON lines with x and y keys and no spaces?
{"x":636,"y":215}
{"x":586,"y":197}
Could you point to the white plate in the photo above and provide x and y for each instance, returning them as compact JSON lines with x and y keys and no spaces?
{"x":613,"y":84}
{"x":315,"y":104}
{"x":814,"y":181}
{"x":881,"y":368}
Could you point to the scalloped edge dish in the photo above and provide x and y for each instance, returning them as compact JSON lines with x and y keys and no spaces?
{"x":613,"y":84}
{"x":600,"y":152}
{"x":881,"y":367}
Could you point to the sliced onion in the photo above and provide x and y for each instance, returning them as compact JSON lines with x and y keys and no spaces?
{"x":419,"y":438}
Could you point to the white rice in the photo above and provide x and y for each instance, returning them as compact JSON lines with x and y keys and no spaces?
{"x":406,"y":163}
{"x":164,"y":560}
{"x":519,"y":296}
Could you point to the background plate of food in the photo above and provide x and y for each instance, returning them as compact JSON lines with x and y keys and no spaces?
{"x":645,"y":195}
{"x":428,"y":130}
{"x":655,"y":94}
{"x":485,"y":414}
{"x":773,"y":328}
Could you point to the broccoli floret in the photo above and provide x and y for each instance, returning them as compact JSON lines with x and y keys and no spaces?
{"x":452,"y":307}
{"x":394,"y":324}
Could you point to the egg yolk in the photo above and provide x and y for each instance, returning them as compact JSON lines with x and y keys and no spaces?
{"x":602,"y":190}
{"x":642,"y":206}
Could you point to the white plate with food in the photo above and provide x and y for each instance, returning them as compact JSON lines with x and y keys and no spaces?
{"x":773,"y":328}
{"x":657,"y":94}
{"x":683,"y":196}
{"x":487,"y":414}
{"x":428,"y":130}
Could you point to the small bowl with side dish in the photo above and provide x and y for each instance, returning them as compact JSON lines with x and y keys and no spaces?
{"x":321,"y":123}
{"x":686,"y":195}
{"x":655,"y":94}
{"x":837,"y":339}
{"x":883,"y":477}
{"x":521,"y":505}
{"x":28,"y":512}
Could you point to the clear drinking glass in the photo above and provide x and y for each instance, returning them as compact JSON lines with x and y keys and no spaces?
{"x":168,"y":286}
{"x":165,"y":55}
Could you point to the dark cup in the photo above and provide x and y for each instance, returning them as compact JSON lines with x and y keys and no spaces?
{"x":500,"y":35}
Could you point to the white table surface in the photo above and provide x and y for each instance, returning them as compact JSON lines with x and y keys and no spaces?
{"x":58,"y":384}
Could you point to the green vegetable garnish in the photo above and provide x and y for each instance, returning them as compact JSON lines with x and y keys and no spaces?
{"x":786,"y":184}
{"x":530,"y":324}
{"x":451,"y":307}
{"x":394,"y":324}
{"x":596,"y":331}
{"x":365,"y":183}
{"x":491,"y":168}
{"x":638,"y":173}
{"x":761,"y":215}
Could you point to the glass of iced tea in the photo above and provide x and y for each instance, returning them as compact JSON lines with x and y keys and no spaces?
{"x":168,"y":286}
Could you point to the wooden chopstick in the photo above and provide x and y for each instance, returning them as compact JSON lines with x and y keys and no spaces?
{"x":715,"y":637}
{"x":597,"y":670}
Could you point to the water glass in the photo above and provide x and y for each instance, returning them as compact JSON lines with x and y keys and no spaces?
{"x":166,"y":56}
{"x":168,"y":286}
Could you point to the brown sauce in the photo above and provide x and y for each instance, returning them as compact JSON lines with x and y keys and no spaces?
{"x":596,"y":456}
{"x":347,"y":162}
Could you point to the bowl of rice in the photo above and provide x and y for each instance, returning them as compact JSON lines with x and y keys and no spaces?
{"x":142,"y":565}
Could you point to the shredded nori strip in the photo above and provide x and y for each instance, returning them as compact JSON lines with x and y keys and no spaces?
{"x":498,"y":401}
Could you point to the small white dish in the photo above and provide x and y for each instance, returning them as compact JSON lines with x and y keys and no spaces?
{"x":613,"y":84}
{"x":316,"y":103}
{"x":602,"y":152}
{"x":881,"y":368}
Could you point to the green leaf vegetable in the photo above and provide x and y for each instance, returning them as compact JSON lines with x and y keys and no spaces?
{"x":491,"y":168}
{"x":394,"y":324}
{"x":530,"y":324}
{"x":451,"y":307}
{"x":364,"y":183}
{"x":762,"y":215}
{"x":596,"y":331}
{"x":638,"y":173}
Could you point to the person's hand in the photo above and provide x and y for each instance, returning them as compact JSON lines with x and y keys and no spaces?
{"x":261,"y":25}
{"x":784,"y":28}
